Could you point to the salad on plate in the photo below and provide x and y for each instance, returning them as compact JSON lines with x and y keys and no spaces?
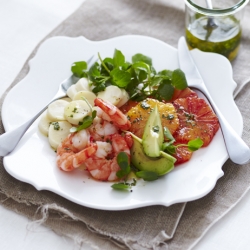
{"x":123,"y":120}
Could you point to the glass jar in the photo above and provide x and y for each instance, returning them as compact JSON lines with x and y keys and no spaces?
{"x":215,"y":29}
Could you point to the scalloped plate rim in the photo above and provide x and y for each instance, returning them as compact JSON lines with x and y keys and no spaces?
{"x":196,"y":55}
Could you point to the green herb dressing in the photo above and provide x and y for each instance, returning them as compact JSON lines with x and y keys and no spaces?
{"x":223,"y":38}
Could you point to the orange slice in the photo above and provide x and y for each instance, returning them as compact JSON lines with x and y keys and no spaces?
{"x":138,"y":116}
{"x":197,"y":120}
{"x":182,"y":155}
{"x":187,"y":92}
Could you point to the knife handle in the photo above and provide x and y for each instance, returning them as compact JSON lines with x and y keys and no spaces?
{"x":237,"y":149}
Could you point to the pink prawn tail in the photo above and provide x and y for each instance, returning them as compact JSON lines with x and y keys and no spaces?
{"x":129,"y":139}
{"x":115,"y":114}
{"x":70,"y":161}
{"x":120,"y":144}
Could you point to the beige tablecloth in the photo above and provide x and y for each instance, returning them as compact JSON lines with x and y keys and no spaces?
{"x":179,"y":226}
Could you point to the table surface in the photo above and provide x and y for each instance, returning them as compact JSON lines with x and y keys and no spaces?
{"x":23,"y":24}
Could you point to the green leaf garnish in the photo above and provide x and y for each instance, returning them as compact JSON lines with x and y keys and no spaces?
{"x":167,"y":74}
{"x":109,"y":63}
{"x":147,"y":175}
{"x":79,"y":69}
{"x":165,"y":90}
{"x":124,"y":185}
{"x":120,"y":78}
{"x":123,"y":162}
{"x":142,"y":58}
{"x":195,"y":144}
{"x":94,"y":114}
{"x":168,"y":135}
{"x":138,"y":78}
{"x":192,"y":145}
{"x":169,"y":140}
{"x":168,"y":148}
{"x":120,"y":186}
{"x":179,"y":79}
{"x":100,"y":87}
{"x":86,"y":122}
{"x":118,"y":59}
{"x":103,"y":64}
{"x":142,"y":66}
{"x":94,"y":71}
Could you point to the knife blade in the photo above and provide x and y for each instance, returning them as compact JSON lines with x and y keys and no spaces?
{"x":237,"y":149}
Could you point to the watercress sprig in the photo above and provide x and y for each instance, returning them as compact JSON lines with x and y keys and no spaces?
{"x":138,"y":78}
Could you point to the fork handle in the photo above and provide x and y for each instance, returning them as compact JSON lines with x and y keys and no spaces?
{"x":10,"y":139}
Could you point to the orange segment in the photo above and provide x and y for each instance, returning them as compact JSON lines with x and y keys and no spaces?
{"x":182,"y":155}
{"x":138,"y":116}
{"x":187,"y":92}
{"x":127,"y":106}
{"x":197,"y":120}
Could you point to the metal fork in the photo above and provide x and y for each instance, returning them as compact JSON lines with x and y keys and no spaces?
{"x":10,"y":139}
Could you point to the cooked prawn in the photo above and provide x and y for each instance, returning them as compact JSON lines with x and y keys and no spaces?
{"x":74,"y":150}
{"x":101,"y":127}
{"x":113,"y":114}
{"x":97,"y":146}
{"x":103,"y":165}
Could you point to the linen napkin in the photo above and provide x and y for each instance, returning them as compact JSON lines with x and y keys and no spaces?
{"x":179,"y":226}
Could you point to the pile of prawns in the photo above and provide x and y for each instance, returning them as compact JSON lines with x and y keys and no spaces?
{"x":97,"y":146}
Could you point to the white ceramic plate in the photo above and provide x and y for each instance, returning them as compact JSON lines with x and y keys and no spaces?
{"x":33,"y":161}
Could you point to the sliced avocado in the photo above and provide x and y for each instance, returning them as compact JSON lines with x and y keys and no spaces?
{"x":153,"y":137}
{"x":160,"y":165}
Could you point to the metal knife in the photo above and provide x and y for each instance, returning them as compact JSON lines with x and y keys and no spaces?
{"x":237,"y":149}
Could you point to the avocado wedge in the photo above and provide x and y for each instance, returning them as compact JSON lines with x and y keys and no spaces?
{"x":160,"y":165}
{"x":153,"y":137}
